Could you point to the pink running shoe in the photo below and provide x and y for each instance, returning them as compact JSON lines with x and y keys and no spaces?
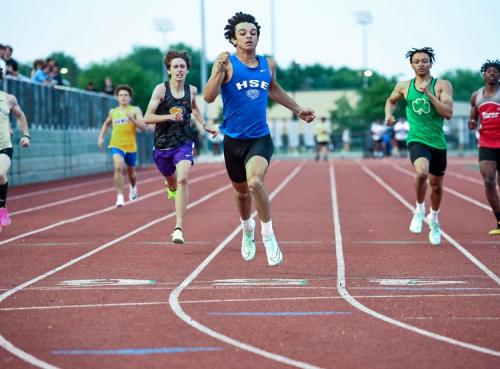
{"x":4,"y":217}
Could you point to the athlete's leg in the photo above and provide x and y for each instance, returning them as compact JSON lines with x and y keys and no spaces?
{"x":118,"y":163}
{"x":436,"y":184}
{"x":421,"y":166}
{"x":256,"y":169}
{"x":182,"y":194}
{"x":488,"y":170}
{"x":4,"y":169}
{"x":132,"y":175}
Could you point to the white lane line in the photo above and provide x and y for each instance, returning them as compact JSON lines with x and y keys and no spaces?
{"x":176,"y":306}
{"x":72,"y":199}
{"x":105,"y":210}
{"x":64,"y":187}
{"x":445,"y":235}
{"x":224,"y":301}
{"x":465,"y":178}
{"x":342,"y":287}
{"x":7,"y":345}
{"x":450,"y":190}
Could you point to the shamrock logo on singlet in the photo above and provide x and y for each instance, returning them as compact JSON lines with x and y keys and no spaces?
{"x":420,"y":106}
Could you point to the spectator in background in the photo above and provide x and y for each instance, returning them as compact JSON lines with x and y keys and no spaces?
{"x":51,"y":62}
{"x":322,"y":138}
{"x":55,"y":76}
{"x":42,"y":73}
{"x":377,"y":130}
{"x":90,"y":86}
{"x":108,"y":86}
{"x":12,"y":65}
{"x":37,"y":64}
{"x":346,"y":139}
{"x":401,"y":129}
{"x":2,"y":62}
{"x":215,"y":142}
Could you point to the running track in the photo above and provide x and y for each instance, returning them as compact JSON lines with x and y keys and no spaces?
{"x":85,"y":285}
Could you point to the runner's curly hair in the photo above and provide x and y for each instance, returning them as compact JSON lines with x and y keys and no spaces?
{"x":173,"y":54}
{"x":124,"y":87}
{"x":490,"y":63}
{"x":229,"y":30}
{"x":427,"y":50}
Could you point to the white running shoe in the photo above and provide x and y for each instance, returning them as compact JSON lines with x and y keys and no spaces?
{"x":132,"y":195}
{"x":120,"y":201}
{"x":416,"y":222}
{"x":273,"y":252}
{"x":248,"y":245}
{"x":434,"y":233}
{"x":177,"y":236}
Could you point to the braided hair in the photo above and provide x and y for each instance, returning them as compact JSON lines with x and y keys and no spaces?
{"x":426,"y":50}
{"x":230,"y":29}
{"x":490,"y":64}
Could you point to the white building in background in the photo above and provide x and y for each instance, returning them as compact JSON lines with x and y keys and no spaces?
{"x":280,"y":118}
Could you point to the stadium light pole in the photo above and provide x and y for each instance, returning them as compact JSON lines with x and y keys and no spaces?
{"x":364,"y":18}
{"x":163,"y":25}
{"x":203,"y":62}
{"x":273,"y":30}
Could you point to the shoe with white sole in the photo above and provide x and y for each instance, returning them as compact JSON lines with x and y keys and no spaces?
{"x":273,"y":252}
{"x":434,"y":233}
{"x":416,"y":222}
{"x":248,"y":245}
{"x":132,"y":195}
{"x":120,"y":201}
{"x":177,"y":236}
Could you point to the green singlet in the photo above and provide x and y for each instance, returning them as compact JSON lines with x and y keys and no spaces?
{"x":426,"y":125}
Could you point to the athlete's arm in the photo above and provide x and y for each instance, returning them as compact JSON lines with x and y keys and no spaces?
{"x":197,"y":114}
{"x":473,"y":112}
{"x":151,"y":117}
{"x":221,"y":72}
{"x":392,"y":101}
{"x":22,"y":122}
{"x":277,"y":94}
{"x":137,"y":118}
{"x":104,"y":130}
{"x":444,"y":101}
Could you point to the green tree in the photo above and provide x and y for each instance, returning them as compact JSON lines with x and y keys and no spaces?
{"x":343,"y":115}
{"x":373,"y":98}
{"x":464,"y":83}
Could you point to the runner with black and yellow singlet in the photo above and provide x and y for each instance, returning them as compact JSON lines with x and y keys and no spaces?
{"x":124,"y":120}
{"x":428,"y":102}
{"x":8,"y":104}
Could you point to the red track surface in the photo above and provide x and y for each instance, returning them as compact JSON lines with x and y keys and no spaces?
{"x":356,"y":289}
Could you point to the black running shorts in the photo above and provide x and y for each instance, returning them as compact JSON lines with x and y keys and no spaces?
{"x":490,"y":154}
{"x":436,"y":157}
{"x":237,"y":152}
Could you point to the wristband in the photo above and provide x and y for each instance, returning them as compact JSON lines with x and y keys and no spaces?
{"x":27,"y":136}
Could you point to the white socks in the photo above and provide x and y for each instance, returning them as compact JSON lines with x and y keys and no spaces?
{"x":248,"y":225}
{"x":267,"y":228}
{"x":420,"y":208}
{"x":433,"y":215}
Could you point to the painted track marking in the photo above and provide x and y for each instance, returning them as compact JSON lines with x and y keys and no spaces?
{"x":23,"y":355}
{"x":445,"y":235}
{"x":102,"y":211}
{"x":176,"y":306}
{"x":342,"y":287}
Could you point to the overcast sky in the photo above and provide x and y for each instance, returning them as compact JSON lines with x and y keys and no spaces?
{"x":463,"y":33}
